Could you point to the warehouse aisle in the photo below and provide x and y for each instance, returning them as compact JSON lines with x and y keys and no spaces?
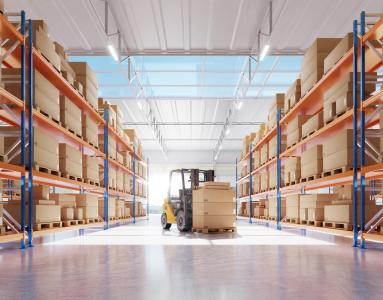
{"x":142,"y":261}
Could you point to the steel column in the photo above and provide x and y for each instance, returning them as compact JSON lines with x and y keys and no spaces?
{"x":22,"y":127}
{"x":106,"y":169}
{"x":30,"y":135}
{"x":362,"y":134}
{"x":250,"y":185}
{"x":134,"y":183}
{"x":147,"y":187}
{"x":278,"y":169}
{"x":355,"y":134}
{"x":236,"y":188}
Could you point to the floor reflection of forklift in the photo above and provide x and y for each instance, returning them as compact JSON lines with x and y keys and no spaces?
{"x":177,"y":209}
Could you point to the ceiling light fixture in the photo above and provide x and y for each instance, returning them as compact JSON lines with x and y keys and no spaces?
{"x":228,"y":131}
{"x":111,"y":49}
{"x":239,"y":105}
{"x":264,"y":52}
{"x":139,"y":105}
{"x":220,"y":147}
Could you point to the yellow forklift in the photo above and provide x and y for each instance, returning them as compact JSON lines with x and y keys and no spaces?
{"x":177,"y":209}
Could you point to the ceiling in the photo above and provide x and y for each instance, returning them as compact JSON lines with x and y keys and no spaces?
{"x":191,"y":58}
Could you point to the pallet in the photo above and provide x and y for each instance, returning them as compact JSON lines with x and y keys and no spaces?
{"x":113,"y":218}
{"x":292,"y":182}
{"x":90,"y":143}
{"x":293,"y":144}
{"x":273,"y":188}
{"x":46,"y":170}
{"x":46,"y":225}
{"x":337,"y":225}
{"x":209,"y":230}
{"x":263,"y":191}
{"x":312,"y":223}
{"x":127,"y":217}
{"x":87,"y":221}
{"x":309,"y":178}
{"x":272,"y":218}
{"x":311,"y":133}
{"x":302,"y":96}
{"x":47,"y":115}
{"x":91,"y":182}
{"x":72,"y":131}
{"x":72,"y":223}
{"x":2,"y":230}
{"x":337,"y":171}
{"x":263,"y":217}
{"x":72,"y":177}
{"x":289,"y":220}
{"x":272,"y":158}
{"x":343,"y":111}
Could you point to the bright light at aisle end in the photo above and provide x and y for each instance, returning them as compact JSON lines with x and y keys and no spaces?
{"x":264,"y":52}
{"x":111,"y":49}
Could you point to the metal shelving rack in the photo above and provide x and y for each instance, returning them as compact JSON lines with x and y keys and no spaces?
{"x":15,"y":57}
{"x":370,"y":61}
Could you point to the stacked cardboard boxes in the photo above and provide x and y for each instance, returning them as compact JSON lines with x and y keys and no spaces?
{"x":129,"y":205}
{"x":265,"y":153}
{"x":312,"y":206}
{"x":88,"y":80}
{"x":136,"y":189}
{"x":292,"y":206}
{"x":89,"y":130}
{"x":240,"y":190}
{"x":119,"y":120}
{"x":293,"y":95}
{"x":245,"y":145}
{"x":339,"y":97}
{"x":273,"y":178}
{"x":214,"y":208}
{"x":132,"y":136}
{"x":294,"y":130}
{"x":45,"y":95}
{"x":70,"y":161}
{"x":111,"y":207}
{"x":276,"y":103}
{"x":293,"y":170}
{"x":90,"y":169}
{"x":89,"y":205}
{"x":273,"y":207}
{"x":112,"y":145}
{"x":127,"y":213}
{"x":119,"y":181}
{"x":312,"y":162}
{"x":127,"y":183}
{"x":126,"y":159}
{"x":313,"y":124}
{"x":112,"y":178}
{"x":312,"y":63}
{"x":246,"y":189}
{"x":67,"y":204}
{"x":70,"y":115}
{"x":120,"y":207}
{"x":259,"y":209}
{"x":260,"y":134}
{"x":256,"y":184}
{"x":119,"y":158}
{"x":257,"y":160}
{"x":265,"y":181}
{"x":66,"y":70}
{"x":338,"y":150}
{"x":273,"y":146}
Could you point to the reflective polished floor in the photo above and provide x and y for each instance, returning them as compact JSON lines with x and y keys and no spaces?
{"x":142,"y":261}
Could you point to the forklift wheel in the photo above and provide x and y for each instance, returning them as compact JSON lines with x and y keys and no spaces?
{"x":181,"y":222}
{"x":164,"y":221}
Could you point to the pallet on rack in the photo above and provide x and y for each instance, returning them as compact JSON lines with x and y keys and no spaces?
{"x":337,"y":171}
{"x":210,"y":230}
{"x":302,"y":96}
{"x":127,"y":217}
{"x":292,"y":182}
{"x":292,"y":220}
{"x":311,"y":133}
{"x":309,"y":178}
{"x":73,"y":132}
{"x":72,"y":223}
{"x":46,"y":225}
{"x":91,"y":182}
{"x":72,"y":177}
{"x":90,"y":143}
{"x":337,"y":225}
{"x":293,"y":144}
{"x":46,"y":170}
{"x":263,"y":217}
{"x":272,"y":157}
{"x":343,"y":111}
{"x":312,"y":223}
{"x":113,"y":218}
{"x":87,"y":221}
{"x":47,"y":115}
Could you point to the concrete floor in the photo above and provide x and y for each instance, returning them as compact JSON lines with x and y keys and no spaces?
{"x":142,"y":261}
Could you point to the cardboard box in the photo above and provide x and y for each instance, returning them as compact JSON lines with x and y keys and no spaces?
{"x":67,"y":214}
{"x":303,"y":214}
{"x":214,"y":222}
{"x":266,"y":212}
{"x":295,"y":175}
{"x":312,"y":154}
{"x":66,"y":166}
{"x":315,"y":63}
{"x":311,"y":80}
{"x":41,"y":213}
{"x":207,"y":195}
{"x":129,"y":205}
{"x":321,"y":45}
{"x":341,"y":49}
{"x":259,"y":211}
{"x":88,"y":123}
{"x":338,"y":142}
{"x":315,"y":214}
{"x":293,"y":200}
{"x":70,"y":153}
{"x":43,"y":202}
{"x":278,"y":100}
{"x":317,"y":197}
{"x":342,"y":158}
{"x":313,"y":168}
{"x":315,"y":204}
{"x":344,"y":213}
{"x":313,"y":124}
{"x":78,"y":213}
{"x":68,"y":106}
{"x":294,"y":137}
{"x":273,"y":202}
{"x":214,"y":209}
{"x":82,"y":68}
{"x":86,"y":200}
{"x":273,"y":146}
{"x":297,"y":123}
{"x":273,"y":212}
{"x":68,"y":121}
{"x":40,"y":192}
{"x":63,"y":200}
{"x":89,"y":162}
{"x":329,"y":111}
{"x":292,"y":212}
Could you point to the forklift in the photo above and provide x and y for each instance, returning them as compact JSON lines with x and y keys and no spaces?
{"x":177,"y":209}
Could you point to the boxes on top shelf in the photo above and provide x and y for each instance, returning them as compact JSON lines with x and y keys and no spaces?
{"x":45,"y":94}
{"x":70,"y":115}
{"x":132,"y":136}
{"x":276,"y":103}
{"x":66,"y":70}
{"x":119,"y":120}
{"x":294,"y":129}
{"x":88,"y":80}
{"x":312,"y":63}
{"x":90,"y":168}
{"x":260,"y":134}
{"x":292,"y":95}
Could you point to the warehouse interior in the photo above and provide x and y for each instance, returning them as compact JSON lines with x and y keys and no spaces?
{"x":207,"y":149}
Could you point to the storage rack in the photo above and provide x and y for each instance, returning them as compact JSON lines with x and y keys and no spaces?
{"x":370,"y":61}
{"x":14,"y":57}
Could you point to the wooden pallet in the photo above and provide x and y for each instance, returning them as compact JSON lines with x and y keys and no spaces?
{"x":272,"y":218}
{"x":72,"y":177}
{"x":262,"y":191}
{"x":263,"y":217}
{"x":292,"y":182}
{"x":302,"y":96}
{"x":47,"y":115}
{"x":87,"y":221}
{"x":293,"y":144}
{"x":2,"y":230}
{"x":91,"y":182}
{"x":72,"y":223}
{"x":311,"y":133}
{"x":312,"y":223}
{"x":90,"y":143}
{"x":4,"y":158}
{"x":337,"y":225}
{"x":114,"y":189}
{"x":46,"y":225}
{"x":272,"y":157}
{"x":309,"y":178}
{"x":343,"y":111}
{"x":113,"y":218}
{"x":289,"y":220}
{"x":128,"y":217}
{"x":337,"y":171}
{"x":210,"y":230}
{"x":46,"y":170}
{"x":73,"y":132}
{"x":272,"y":188}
